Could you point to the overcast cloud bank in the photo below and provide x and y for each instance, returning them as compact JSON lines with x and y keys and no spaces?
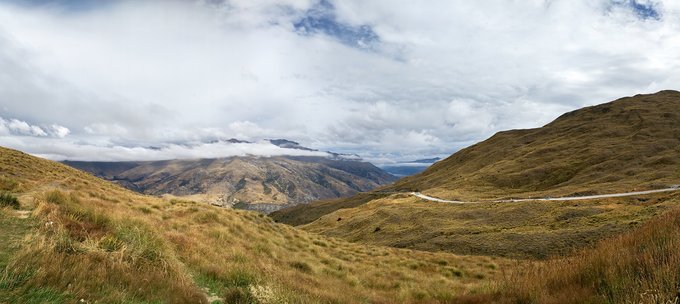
{"x":388,"y":80}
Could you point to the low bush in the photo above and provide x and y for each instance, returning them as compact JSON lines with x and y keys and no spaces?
{"x":9,"y":200}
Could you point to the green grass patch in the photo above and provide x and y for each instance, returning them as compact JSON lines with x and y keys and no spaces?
{"x":40,"y":296}
{"x":9,"y":200}
{"x":12,"y":233}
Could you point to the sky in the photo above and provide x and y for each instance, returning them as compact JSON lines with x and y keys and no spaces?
{"x":389,"y":80}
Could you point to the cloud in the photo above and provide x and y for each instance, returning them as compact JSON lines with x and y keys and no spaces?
{"x":21,"y":128}
{"x":59,"y":131}
{"x":59,"y":149}
{"x":384,"y":79}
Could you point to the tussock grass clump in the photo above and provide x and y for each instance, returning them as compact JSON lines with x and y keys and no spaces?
{"x":56,"y":197}
{"x":9,"y":200}
{"x":8,"y":184}
{"x":642,"y":266}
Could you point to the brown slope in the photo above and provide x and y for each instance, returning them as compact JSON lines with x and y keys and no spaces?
{"x":628,"y":144}
{"x":633,"y":142}
{"x":251,"y":182}
{"x":538,"y":229}
{"x":86,"y":238}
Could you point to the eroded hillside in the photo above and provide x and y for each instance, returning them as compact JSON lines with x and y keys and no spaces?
{"x":256,"y":183}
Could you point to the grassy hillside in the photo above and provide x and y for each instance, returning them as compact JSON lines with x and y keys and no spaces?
{"x":518,"y":230}
{"x":78,"y":237}
{"x":629,"y":144}
{"x":304,"y":214}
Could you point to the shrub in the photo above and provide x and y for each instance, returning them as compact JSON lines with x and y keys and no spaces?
{"x":8,"y":200}
{"x":239,"y":296}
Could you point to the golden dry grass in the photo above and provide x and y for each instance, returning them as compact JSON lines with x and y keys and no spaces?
{"x":536,"y":229}
{"x":98,"y":242}
{"x":641,"y":267}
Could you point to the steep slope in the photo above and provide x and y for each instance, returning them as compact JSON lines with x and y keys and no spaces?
{"x":629,"y":144}
{"x":261,"y":183}
{"x":85,"y":238}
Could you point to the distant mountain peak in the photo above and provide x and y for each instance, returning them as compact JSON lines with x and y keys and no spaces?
{"x":289,"y":144}
{"x":237,"y":141}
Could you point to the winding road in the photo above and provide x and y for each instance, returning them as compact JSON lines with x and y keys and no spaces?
{"x":434,"y":199}
{"x":565,"y":198}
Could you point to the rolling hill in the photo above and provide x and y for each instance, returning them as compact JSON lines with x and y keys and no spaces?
{"x":249,"y":182}
{"x":629,"y":144}
{"x":76,"y":238}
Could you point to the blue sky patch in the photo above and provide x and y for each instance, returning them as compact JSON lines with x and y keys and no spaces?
{"x":643,"y":10}
{"x":321,"y":18}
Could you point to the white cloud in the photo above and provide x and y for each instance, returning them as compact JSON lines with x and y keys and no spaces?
{"x":442,"y":75}
{"x":59,"y":149}
{"x":3,"y":127}
{"x":59,"y":131}
{"x":18,"y":127}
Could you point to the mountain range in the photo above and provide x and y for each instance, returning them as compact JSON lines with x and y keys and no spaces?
{"x":248,"y":182}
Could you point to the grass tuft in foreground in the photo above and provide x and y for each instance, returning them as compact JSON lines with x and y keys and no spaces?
{"x":642,"y":266}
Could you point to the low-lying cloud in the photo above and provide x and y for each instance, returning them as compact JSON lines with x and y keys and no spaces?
{"x":59,"y":150}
